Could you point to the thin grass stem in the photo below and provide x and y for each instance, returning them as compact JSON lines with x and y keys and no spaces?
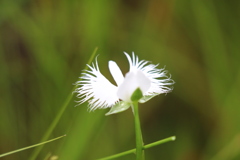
{"x":59,"y":114}
{"x":32,"y":146}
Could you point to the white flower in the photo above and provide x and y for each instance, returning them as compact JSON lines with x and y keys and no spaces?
{"x":100,"y":93}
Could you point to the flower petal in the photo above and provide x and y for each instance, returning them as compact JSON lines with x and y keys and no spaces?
{"x":97,"y":89}
{"x":160,"y":82}
{"x":132,"y":81}
{"x":134,"y":63}
{"x":116,"y":72}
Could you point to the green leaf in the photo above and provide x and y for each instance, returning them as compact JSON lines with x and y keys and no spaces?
{"x":146,"y":98}
{"x":137,"y":95}
{"x":119,"y":107}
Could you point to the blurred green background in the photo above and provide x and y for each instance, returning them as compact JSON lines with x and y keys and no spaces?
{"x":45,"y":44}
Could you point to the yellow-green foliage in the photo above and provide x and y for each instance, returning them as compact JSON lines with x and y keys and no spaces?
{"x":45,"y":44}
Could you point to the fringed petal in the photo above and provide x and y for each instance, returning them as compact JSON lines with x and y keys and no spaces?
{"x":96,"y":89}
{"x":160,"y":82}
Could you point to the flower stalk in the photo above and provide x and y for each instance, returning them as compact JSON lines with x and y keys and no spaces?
{"x":138,"y":132}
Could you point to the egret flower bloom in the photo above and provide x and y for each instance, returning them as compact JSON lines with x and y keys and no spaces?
{"x":100,"y":93}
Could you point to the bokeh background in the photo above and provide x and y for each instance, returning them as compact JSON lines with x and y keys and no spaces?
{"x":45,"y":44}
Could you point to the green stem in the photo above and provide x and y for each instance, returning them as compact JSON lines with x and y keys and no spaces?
{"x":35,"y":145}
{"x":138,"y":132}
{"x":145,"y":147}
